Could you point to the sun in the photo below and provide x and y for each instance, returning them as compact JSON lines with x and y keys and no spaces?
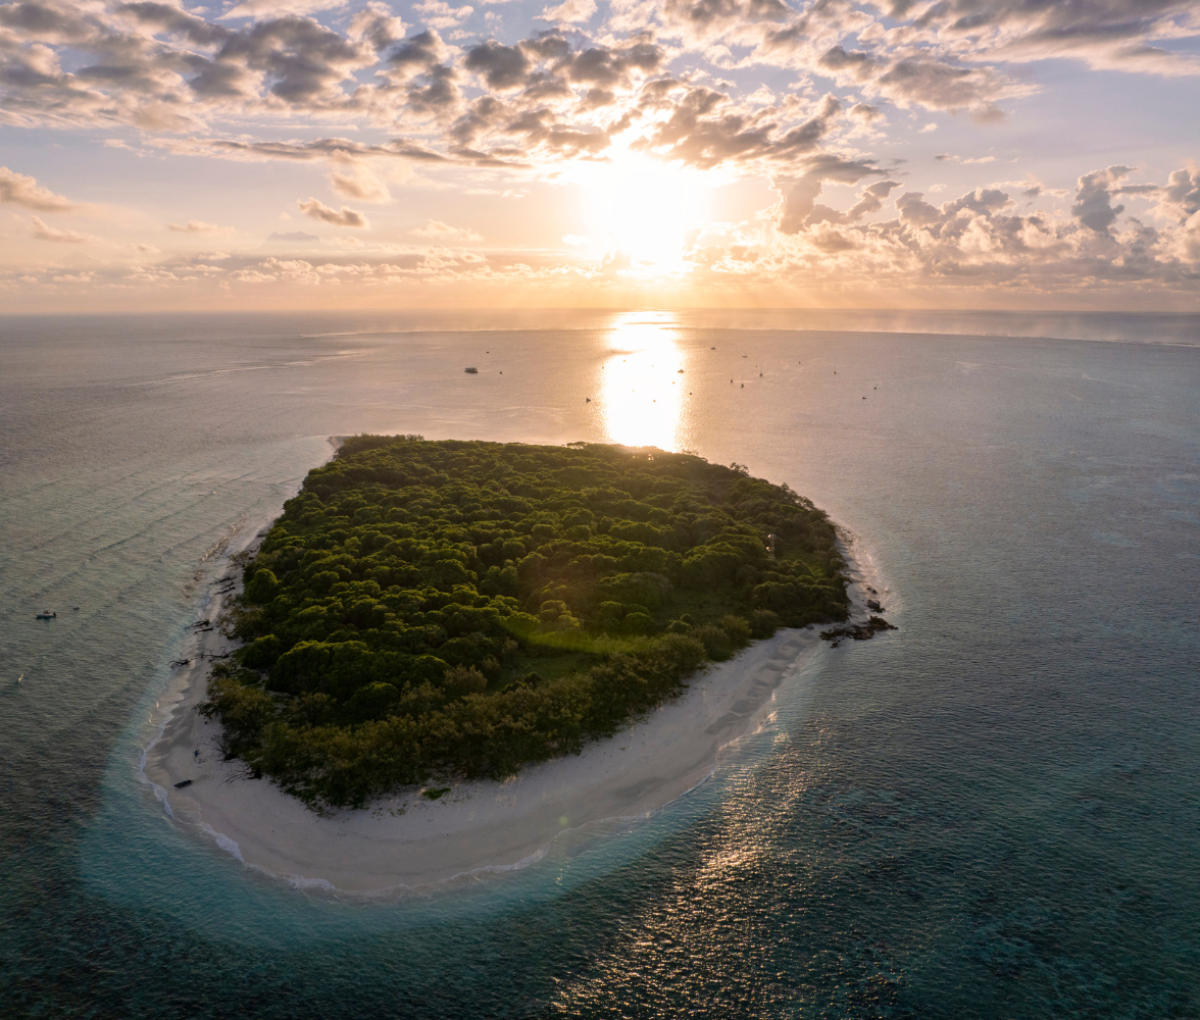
{"x":639,"y":211}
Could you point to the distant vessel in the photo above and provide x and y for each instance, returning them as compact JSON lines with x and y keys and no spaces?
{"x":471,"y":371}
{"x":45,"y":614}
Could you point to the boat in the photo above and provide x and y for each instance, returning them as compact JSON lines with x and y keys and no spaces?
{"x":471,"y":371}
{"x":45,"y":614}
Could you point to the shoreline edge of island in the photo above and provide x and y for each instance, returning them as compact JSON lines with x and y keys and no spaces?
{"x":410,"y":843}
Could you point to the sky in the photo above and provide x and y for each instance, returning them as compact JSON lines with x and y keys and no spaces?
{"x":270,"y":154}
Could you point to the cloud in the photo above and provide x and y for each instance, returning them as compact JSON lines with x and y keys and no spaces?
{"x":798,"y":196}
{"x":276,"y":8}
{"x":938,"y":84}
{"x":198,"y":227}
{"x":156,"y":66}
{"x":160,"y":67}
{"x":439,"y":14}
{"x":657,"y":77}
{"x":417,"y":54}
{"x":23,"y":190}
{"x":864,"y":112}
{"x":344,"y":218}
{"x":502,"y":67}
{"x":340,"y":150}
{"x":375,"y":24}
{"x":1181,"y":195}
{"x":292,"y":235}
{"x":439,"y":231}
{"x":978,"y":245}
{"x":1113,"y":34}
{"x":47,"y":233}
{"x":945,"y":157}
{"x":870,"y":200}
{"x":705,"y":129}
{"x":361,"y":184}
{"x":1093,"y":198}
{"x":570,"y":11}
{"x":977,"y":239}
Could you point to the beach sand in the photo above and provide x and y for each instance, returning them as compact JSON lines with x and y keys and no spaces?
{"x":408,"y":840}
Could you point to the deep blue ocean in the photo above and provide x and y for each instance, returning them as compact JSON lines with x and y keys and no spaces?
{"x":992,"y":812}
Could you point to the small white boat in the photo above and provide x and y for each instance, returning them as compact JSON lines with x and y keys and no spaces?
{"x":45,"y":614}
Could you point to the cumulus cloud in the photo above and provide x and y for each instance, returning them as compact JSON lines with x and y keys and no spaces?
{"x":976,"y":239}
{"x":377,"y":25}
{"x":866,"y":112}
{"x":570,"y":11}
{"x":1180,"y":197}
{"x":345,"y":217}
{"x":23,"y":190}
{"x":500,"y":66}
{"x":870,"y":200}
{"x":705,"y":128}
{"x":358,"y":182}
{"x":798,"y":195}
{"x":1093,"y":198}
{"x":159,"y":66}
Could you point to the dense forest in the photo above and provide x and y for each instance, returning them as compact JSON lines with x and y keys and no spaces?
{"x":457,"y":609}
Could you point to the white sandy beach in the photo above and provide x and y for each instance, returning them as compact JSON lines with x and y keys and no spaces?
{"x":411,"y":841}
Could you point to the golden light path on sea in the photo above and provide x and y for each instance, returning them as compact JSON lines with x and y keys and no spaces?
{"x":642,"y":387}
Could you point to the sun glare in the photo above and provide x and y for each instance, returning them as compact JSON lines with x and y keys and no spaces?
{"x":642,"y":385}
{"x":639,"y":211}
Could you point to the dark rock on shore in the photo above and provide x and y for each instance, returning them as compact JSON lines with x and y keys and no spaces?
{"x":859,"y":632}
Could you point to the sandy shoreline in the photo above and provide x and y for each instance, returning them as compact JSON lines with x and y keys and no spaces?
{"x":411,"y":841}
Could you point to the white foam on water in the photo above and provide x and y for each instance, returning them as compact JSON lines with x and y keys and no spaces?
{"x":224,"y":842}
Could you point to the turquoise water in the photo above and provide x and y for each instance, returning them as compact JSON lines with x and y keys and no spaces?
{"x":993,"y":812}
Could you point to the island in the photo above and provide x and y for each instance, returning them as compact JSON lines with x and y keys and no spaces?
{"x":453,"y":610}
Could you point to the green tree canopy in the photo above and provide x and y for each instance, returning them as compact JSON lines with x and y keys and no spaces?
{"x":462,"y":608}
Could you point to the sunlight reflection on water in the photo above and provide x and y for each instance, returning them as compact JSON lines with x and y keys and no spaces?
{"x":643,"y":381}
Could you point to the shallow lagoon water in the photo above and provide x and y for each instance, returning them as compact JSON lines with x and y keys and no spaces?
{"x":993,"y":812}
